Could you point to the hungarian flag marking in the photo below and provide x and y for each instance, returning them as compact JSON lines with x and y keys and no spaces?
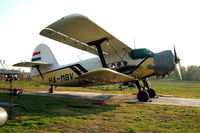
{"x":36,"y":53}
{"x":36,"y":56}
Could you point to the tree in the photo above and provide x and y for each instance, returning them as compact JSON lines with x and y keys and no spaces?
{"x":190,"y":73}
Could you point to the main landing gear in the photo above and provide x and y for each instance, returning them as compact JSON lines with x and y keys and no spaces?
{"x":145,"y":93}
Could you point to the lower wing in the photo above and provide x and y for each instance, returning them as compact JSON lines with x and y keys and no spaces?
{"x":106,"y":76}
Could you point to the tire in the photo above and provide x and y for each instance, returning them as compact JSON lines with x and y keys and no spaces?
{"x":143,"y":96}
{"x":152,"y":93}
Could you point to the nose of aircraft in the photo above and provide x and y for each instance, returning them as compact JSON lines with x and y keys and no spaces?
{"x":165,"y":62}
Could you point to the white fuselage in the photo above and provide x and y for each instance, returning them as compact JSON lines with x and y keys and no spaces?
{"x":66,"y":75}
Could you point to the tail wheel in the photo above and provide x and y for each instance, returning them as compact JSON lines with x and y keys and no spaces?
{"x":143,"y":96}
{"x":152,"y":92}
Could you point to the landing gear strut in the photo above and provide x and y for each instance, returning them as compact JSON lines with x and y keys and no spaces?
{"x":51,"y":89}
{"x":142,"y":95}
{"x":151,"y":91}
{"x":145,"y":93}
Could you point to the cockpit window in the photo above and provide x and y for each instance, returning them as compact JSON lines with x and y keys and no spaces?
{"x":140,"y":53}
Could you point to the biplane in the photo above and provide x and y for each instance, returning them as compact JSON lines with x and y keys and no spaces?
{"x":115,"y":62}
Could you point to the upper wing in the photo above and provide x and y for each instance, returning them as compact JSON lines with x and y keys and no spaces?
{"x":106,"y":76}
{"x":31,"y":64}
{"x":80,"y":32}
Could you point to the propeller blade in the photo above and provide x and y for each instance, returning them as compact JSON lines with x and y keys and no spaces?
{"x":178,"y":67}
{"x":176,"y":57}
{"x":175,"y":51}
{"x":177,"y":61}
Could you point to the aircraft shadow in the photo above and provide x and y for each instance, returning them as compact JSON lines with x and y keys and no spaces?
{"x":57,"y":106}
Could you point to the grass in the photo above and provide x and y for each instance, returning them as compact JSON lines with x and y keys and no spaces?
{"x":186,"y":89}
{"x":51,"y":114}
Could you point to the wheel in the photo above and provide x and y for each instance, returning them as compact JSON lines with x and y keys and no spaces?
{"x":143,"y":96}
{"x":152,"y":92}
{"x":51,"y":90}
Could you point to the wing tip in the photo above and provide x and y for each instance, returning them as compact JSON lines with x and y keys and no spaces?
{"x":68,"y":17}
{"x":75,"y":15}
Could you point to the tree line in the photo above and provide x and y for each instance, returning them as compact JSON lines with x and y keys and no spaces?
{"x":188,"y":73}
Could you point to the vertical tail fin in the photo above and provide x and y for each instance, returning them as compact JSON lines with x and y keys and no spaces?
{"x":43,"y":53}
{"x":42,"y":61}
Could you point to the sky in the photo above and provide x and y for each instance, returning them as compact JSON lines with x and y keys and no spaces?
{"x":153,"y":24}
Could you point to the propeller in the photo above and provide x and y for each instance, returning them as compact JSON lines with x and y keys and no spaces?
{"x":177,"y":61}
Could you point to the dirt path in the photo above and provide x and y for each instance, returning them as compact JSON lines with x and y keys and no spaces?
{"x":121,"y":97}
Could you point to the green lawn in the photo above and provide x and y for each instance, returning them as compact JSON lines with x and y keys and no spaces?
{"x":51,"y":114}
{"x":187,"y":89}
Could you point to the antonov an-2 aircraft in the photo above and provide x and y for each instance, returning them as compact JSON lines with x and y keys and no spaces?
{"x":116,"y":62}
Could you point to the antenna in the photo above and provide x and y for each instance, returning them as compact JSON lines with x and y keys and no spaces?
{"x":134,"y":43}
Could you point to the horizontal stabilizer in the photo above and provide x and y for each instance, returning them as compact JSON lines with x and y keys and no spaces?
{"x":9,"y":73}
{"x":106,"y":76}
{"x":31,"y":64}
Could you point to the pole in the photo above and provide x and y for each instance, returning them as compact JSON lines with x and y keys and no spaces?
{"x":10,"y":100}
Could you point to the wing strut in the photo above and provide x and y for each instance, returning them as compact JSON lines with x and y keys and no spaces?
{"x":98,"y":43}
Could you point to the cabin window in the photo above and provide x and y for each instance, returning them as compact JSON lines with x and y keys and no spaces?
{"x":125,"y":63}
{"x":113,"y":65}
{"x":119,"y":64}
